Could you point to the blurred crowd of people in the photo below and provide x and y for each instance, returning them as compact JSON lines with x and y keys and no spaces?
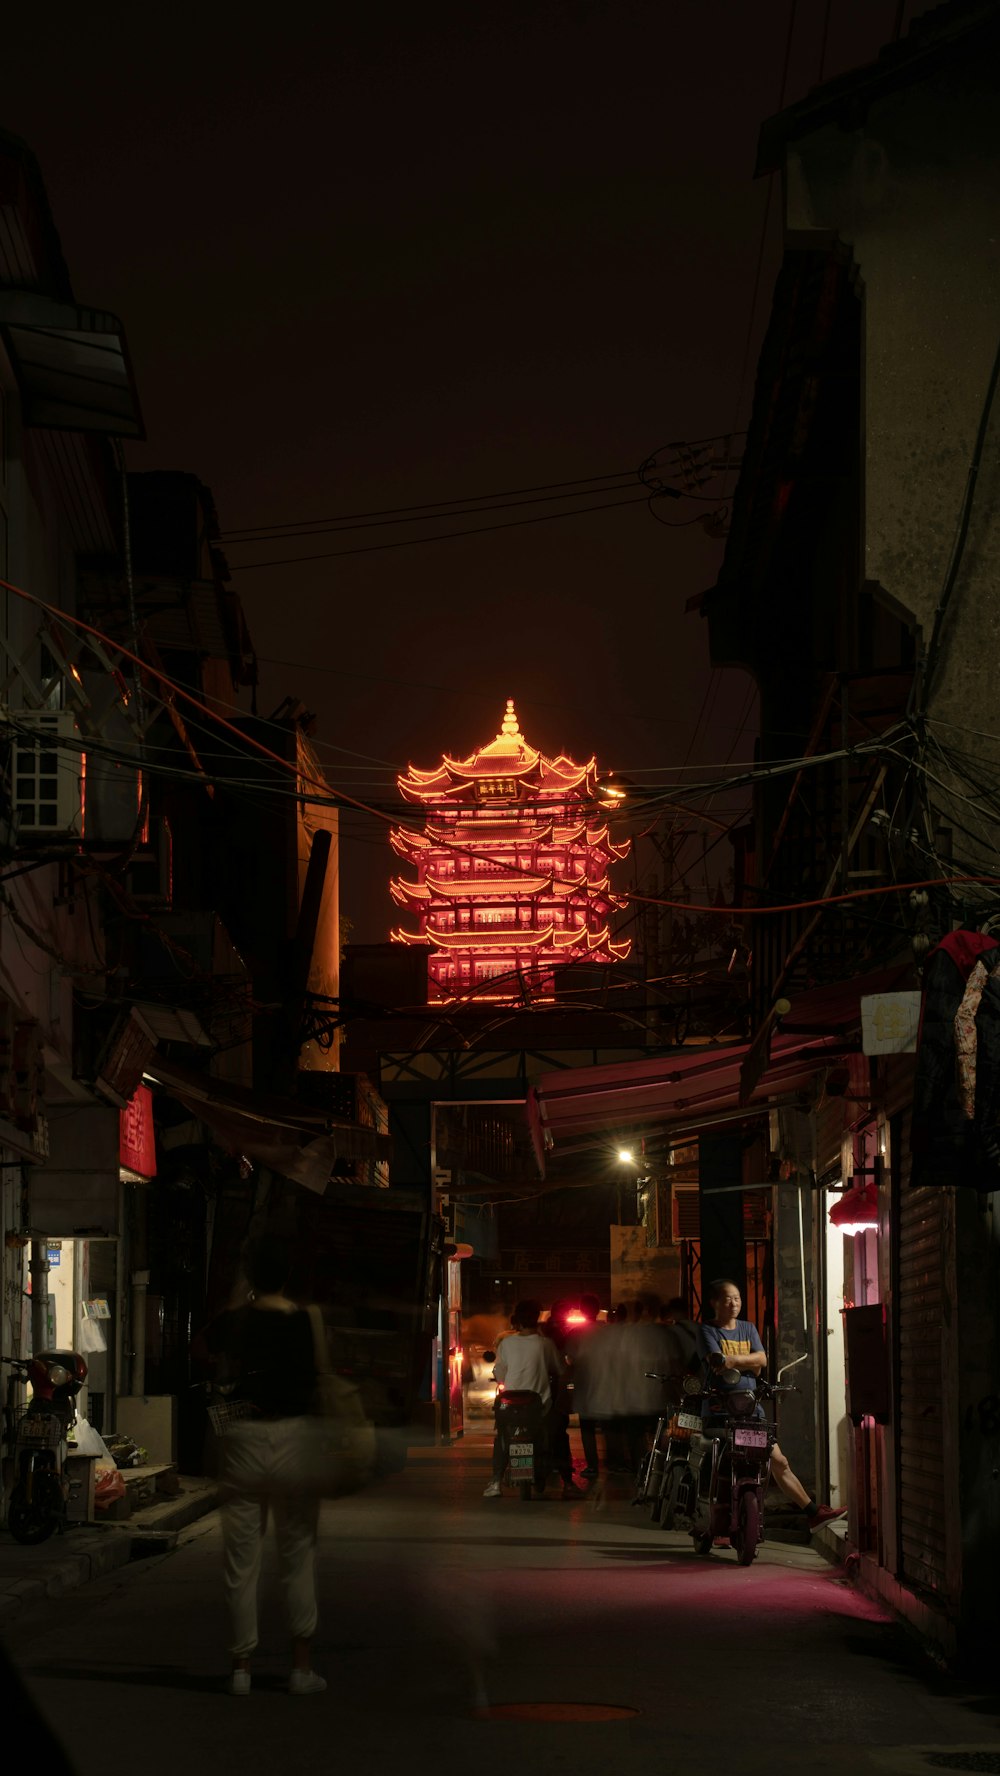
{"x":600,"y":1368}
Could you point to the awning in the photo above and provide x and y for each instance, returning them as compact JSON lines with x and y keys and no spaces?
{"x":696,"y":1088}
{"x":72,"y":366}
{"x":685,"y":1091}
{"x":280,"y":1133}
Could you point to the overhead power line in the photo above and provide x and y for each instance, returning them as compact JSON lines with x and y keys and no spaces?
{"x":440,"y":508}
{"x":445,"y":536}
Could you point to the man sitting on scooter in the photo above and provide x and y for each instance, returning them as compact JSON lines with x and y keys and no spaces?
{"x":734,"y":1357}
{"x":526,"y":1360}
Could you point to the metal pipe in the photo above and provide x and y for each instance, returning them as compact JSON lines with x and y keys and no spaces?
{"x":38,"y":1269}
{"x":137,"y":1379}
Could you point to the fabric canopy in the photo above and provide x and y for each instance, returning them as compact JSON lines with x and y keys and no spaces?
{"x":696,"y":1087}
{"x":280,"y":1133}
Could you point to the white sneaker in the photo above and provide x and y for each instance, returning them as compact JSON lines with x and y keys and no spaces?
{"x":239,"y":1683}
{"x":306,"y":1683}
{"x":493,"y":1490}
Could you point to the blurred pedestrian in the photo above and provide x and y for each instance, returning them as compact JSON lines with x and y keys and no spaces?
{"x":647,"y":1348}
{"x":557,"y":1327}
{"x":601,"y":1371}
{"x":267,"y":1349}
{"x":582,"y":1361}
{"x":674,"y":1314}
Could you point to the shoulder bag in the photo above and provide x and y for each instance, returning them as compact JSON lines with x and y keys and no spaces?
{"x":337,"y":1437}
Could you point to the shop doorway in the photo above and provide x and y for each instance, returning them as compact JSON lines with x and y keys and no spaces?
{"x":838,"y":1427}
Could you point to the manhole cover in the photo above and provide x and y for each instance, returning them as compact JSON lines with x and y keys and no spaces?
{"x":554,"y":1711}
{"x":963,"y":1760}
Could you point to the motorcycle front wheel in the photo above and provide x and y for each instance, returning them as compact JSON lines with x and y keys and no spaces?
{"x":524,"y":1488}
{"x":672,"y":1491}
{"x":748,"y":1532}
{"x":32,"y":1522}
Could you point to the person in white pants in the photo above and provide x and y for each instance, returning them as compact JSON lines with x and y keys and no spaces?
{"x":260,"y":1456}
{"x":268,"y":1350}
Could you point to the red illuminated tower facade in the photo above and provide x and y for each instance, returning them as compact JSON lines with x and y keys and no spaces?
{"x":512,"y":870}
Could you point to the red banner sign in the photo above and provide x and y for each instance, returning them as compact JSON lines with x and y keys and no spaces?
{"x":137,"y":1139}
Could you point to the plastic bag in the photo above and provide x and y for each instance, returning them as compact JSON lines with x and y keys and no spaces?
{"x":91,"y":1337}
{"x":109,"y":1486}
{"x":88,"y":1441}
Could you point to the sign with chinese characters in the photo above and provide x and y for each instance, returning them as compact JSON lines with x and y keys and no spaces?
{"x":54,"y":1250}
{"x":137,"y":1142}
{"x":890,"y":1023}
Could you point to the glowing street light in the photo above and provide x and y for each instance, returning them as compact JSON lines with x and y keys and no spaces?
{"x":625,"y":1156}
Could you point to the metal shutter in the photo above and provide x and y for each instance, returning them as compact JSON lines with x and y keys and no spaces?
{"x":922,"y":1528}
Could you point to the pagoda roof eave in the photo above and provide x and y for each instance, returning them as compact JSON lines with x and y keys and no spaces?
{"x":428,"y":792}
{"x":510,"y":937}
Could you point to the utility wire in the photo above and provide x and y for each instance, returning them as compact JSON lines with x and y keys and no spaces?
{"x":443,"y":536}
{"x":923,"y":683}
{"x":283,"y":534}
{"x":429,"y":506}
{"x":432,"y":507}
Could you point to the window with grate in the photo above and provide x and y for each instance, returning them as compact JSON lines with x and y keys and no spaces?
{"x":686,"y":1212}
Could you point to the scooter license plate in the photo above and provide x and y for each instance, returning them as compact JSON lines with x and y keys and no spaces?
{"x":34,"y":1430}
{"x":750,"y":1437}
{"x":688,"y":1421}
{"x":521,"y":1458}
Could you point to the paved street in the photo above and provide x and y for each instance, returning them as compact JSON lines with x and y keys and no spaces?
{"x":435,"y":1599}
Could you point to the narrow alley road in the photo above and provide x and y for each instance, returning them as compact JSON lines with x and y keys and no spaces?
{"x":435,"y":1599}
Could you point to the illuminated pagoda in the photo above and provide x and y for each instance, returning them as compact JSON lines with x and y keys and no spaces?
{"x":512,"y":870}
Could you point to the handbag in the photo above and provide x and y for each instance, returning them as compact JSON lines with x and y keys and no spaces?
{"x":337,"y":1438}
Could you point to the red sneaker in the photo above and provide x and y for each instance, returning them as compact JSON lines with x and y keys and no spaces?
{"x":825,"y":1514}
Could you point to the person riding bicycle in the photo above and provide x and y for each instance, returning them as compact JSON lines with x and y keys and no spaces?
{"x":734,"y":1357}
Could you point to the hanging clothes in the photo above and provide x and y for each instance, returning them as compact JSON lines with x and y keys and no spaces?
{"x":965,"y":1038}
{"x":942,"y":1135}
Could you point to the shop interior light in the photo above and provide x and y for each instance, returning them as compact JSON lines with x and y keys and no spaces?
{"x":857,"y":1210}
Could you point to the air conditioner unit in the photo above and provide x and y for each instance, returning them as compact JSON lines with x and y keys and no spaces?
{"x":149,"y":876}
{"x":48,"y":772}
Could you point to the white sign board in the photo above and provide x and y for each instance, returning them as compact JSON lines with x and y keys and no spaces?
{"x":889,"y":1023}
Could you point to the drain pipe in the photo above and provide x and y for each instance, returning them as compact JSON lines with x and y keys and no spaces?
{"x":38,"y":1269}
{"x":140,"y":1283}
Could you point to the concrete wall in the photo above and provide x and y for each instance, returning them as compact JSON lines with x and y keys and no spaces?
{"x":913,"y":192}
{"x":638,"y":1268}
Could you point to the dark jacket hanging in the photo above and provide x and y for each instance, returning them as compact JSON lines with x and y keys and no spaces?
{"x":942,"y":1138}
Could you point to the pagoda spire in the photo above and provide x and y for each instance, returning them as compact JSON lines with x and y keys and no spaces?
{"x":510,"y":725}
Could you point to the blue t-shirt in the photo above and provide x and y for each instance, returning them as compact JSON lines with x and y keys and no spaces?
{"x":740,"y":1340}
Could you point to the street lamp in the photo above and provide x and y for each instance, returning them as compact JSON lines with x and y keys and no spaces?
{"x":625,"y":1156}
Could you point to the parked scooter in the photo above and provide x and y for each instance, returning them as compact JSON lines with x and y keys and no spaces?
{"x":722,"y":1492}
{"x":661,"y":1479}
{"x":40,"y":1436}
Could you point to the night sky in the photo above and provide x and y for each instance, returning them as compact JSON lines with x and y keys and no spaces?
{"x":381,"y":256}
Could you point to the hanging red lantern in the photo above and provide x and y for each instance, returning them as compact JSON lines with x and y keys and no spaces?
{"x":857,"y":1210}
